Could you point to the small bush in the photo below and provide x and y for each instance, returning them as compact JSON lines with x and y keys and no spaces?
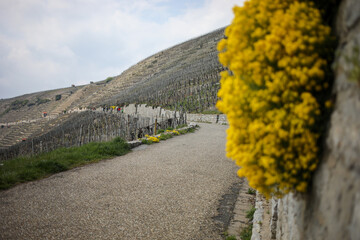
{"x":109,"y":79}
{"x":57,"y":97}
{"x":160,"y":131}
{"x":17,"y":104}
{"x":191,"y":130}
{"x":42,"y":101}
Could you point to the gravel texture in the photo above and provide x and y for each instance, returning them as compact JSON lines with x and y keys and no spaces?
{"x":169,"y":190}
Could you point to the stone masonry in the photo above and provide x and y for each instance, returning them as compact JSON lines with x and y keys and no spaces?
{"x":331,"y":210}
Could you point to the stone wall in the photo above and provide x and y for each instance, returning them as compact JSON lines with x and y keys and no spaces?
{"x":160,"y":113}
{"x":88,"y":126}
{"x":148,"y":111}
{"x":207,"y":118}
{"x":331,"y":210}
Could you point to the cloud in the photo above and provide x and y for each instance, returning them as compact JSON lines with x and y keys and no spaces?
{"x":53,"y":44}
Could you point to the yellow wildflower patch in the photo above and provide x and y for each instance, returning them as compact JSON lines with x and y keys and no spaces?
{"x":272,"y":52}
{"x":153,"y":139}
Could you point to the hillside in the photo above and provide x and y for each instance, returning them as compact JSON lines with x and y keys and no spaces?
{"x":184,"y":76}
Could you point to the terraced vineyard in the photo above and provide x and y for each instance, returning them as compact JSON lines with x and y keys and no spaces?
{"x":185,"y":76}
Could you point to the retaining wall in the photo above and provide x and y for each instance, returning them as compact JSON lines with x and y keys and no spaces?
{"x":208,"y":118}
{"x":89,"y":126}
{"x":331,"y":210}
{"x":159,"y":113}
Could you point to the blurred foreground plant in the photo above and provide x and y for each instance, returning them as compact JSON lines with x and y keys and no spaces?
{"x":275,"y":52}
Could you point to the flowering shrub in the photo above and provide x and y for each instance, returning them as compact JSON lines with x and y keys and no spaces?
{"x":151,"y":139}
{"x":273,"y":52}
{"x":173,"y":132}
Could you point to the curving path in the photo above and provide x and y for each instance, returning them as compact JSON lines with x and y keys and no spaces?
{"x":169,"y":190}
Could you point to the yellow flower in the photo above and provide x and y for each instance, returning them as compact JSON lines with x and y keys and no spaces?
{"x":328,"y":104}
{"x":272,"y":52}
{"x":153,"y":139}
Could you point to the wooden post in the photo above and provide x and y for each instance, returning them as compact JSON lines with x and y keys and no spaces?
{"x":155,"y":126}
{"x":106,"y":129}
{"x":88,"y":139}
{"x":80,"y":135}
{"x":63,"y":138}
{"x":129,"y":127}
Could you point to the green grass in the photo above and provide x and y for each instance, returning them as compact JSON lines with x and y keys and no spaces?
{"x":160,"y":131}
{"x":109,"y":79}
{"x":181,"y":126}
{"x":145,"y":141}
{"x":250,"y":213}
{"x":211,"y":112}
{"x":183,"y":131}
{"x":188,"y":130}
{"x":25,"y":169}
{"x":246,"y":233}
{"x":165,"y":136}
{"x":228,"y":237}
{"x":251,"y":191}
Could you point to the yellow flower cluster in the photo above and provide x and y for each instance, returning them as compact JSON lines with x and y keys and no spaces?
{"x":173,"y":132}
{"x":152,"y":139}
{"x":272,"y":52}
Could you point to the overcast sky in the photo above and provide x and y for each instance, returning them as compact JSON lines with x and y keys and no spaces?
{"x":48,"y":44}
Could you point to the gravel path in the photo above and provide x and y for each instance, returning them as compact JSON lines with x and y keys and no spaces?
{"x":169,"y":190}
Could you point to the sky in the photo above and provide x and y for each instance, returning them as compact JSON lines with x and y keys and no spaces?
{"x":49,"y":44}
